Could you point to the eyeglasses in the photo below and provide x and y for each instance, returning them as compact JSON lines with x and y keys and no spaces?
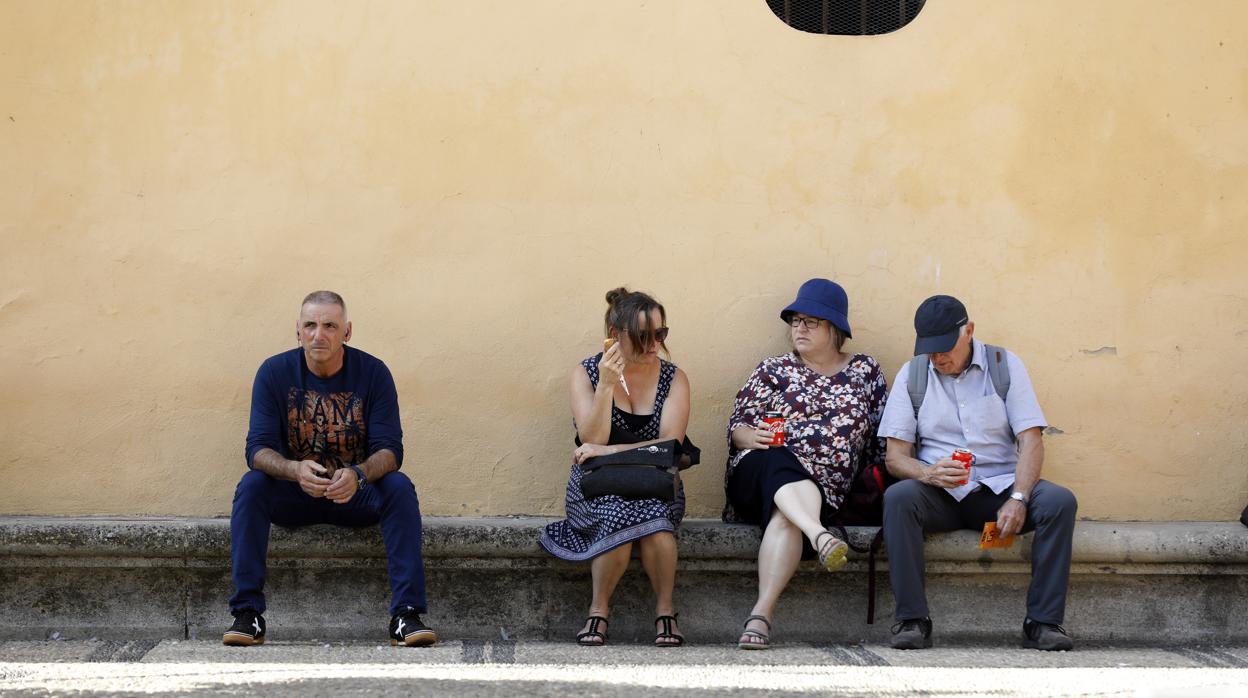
{"x":660,"y":336}
{"x":810,"y":322}
{"x":646,"y":337}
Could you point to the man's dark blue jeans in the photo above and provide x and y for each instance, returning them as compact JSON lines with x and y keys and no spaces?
{"x":260,"y":501}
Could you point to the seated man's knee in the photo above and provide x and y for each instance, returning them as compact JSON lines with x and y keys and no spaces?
{"x":903,"y":495}
{"x":904,"y":505}
{"x":395,"y":483}
{"x":253,"y":483}
{"x":1054,"y":502}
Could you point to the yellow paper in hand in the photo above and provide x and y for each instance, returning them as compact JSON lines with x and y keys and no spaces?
{"x":992,"y":538}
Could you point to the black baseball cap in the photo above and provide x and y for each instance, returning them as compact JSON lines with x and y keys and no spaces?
{"x":937,"y":323}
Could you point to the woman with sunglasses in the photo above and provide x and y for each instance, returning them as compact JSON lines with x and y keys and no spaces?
{"x":622,"y":398}
{"x":831,"y":402}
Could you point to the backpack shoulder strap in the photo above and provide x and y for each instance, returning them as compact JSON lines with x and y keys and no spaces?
{"x":999,"y":372}
{"x":998,"y":369}
{"x":916,"y":381}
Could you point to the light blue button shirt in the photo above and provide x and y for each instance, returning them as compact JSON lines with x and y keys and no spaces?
{"x":965,"y":411}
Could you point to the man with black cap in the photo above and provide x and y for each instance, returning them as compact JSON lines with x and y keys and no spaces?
{"x":1000,"y":422}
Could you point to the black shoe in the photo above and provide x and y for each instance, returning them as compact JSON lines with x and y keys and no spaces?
{"x":406,"y":628}
{"x":248,"y":629}
{"x":1046,"y":636}
{"x":913,"y":634}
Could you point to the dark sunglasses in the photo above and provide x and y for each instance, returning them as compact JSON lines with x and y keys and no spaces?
{"x":660,"y":336}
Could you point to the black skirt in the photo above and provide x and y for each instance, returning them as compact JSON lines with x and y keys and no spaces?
{"x":753,"y":484}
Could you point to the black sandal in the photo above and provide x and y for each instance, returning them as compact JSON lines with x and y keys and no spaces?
{"x":592,"y":637}
{"x":671,"y":639}
{"x":762,"y":640}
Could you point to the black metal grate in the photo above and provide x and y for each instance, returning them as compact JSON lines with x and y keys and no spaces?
{"x":852,"y":17}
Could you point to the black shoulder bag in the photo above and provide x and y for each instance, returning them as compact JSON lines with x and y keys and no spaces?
{"x":647,"y":472}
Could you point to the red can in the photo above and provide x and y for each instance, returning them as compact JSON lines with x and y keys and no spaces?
{"x":967,"y":459}
{"x":775,"y":422}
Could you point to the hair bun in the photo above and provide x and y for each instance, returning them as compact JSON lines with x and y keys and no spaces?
{"x":616,"y":294}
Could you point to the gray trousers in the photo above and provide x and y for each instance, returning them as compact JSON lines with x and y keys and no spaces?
{"x":912,"y":508}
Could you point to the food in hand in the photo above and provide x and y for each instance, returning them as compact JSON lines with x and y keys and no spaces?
{"x":607,"y":344}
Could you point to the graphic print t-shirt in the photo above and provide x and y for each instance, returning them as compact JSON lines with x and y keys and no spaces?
{"x":336,"y":421}
{"x":328,"y":428}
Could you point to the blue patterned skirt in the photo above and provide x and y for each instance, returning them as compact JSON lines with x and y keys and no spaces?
{"x":597,"y":525}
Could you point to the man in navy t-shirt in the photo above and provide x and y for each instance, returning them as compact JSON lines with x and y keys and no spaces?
{"x":324,"y":445}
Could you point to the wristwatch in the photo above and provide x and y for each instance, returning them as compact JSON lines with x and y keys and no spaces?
{"x":361,"y":481}
{"x":1019,"y":496}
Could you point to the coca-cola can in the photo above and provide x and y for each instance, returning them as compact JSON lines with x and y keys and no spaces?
{"x":967,"y":459}
{"x":775,"y":422}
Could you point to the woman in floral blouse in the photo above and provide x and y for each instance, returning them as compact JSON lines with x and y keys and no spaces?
{"x":831,"y":402}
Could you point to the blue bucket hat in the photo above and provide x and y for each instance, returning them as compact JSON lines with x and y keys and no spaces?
{"x":823,"y":299}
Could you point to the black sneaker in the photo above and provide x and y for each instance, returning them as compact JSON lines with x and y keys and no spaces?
{"x":248,"y":629}
{"x":406,"y":628}
{"x":913,"y":634}
{"x":1046,"y":636}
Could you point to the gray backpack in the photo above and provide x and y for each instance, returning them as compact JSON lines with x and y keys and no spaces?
{"x":998,"y":371}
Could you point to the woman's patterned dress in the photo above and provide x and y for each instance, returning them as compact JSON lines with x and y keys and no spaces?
{"x":597,"y":525}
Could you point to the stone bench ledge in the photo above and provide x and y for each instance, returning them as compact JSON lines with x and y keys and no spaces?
{"x":1207,"y":543}
{"x":127,"y":578}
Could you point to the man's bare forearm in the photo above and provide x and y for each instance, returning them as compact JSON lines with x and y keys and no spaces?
{"x":1030,"y":460}
{"x":901,"y":463}
{"x":274,"y":465}
{"x":378,"y":464}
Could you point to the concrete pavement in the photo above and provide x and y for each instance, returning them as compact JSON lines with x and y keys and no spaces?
{"x":499,"y":667}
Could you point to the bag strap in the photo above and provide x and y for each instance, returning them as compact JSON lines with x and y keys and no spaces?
{"x":999,"y":372}
{"x":663,"y":455}
{"x":916,"y":385}
{"x":998,"y":369}
{"x":871,"y":587}
{"x":916,"y":382}
{"x":590,"y":465}
{"x":871,"y":549}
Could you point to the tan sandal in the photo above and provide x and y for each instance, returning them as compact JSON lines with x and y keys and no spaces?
{"x":832,"y":558}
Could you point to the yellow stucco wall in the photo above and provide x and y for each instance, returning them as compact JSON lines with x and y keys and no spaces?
{"x":473,"y":176}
